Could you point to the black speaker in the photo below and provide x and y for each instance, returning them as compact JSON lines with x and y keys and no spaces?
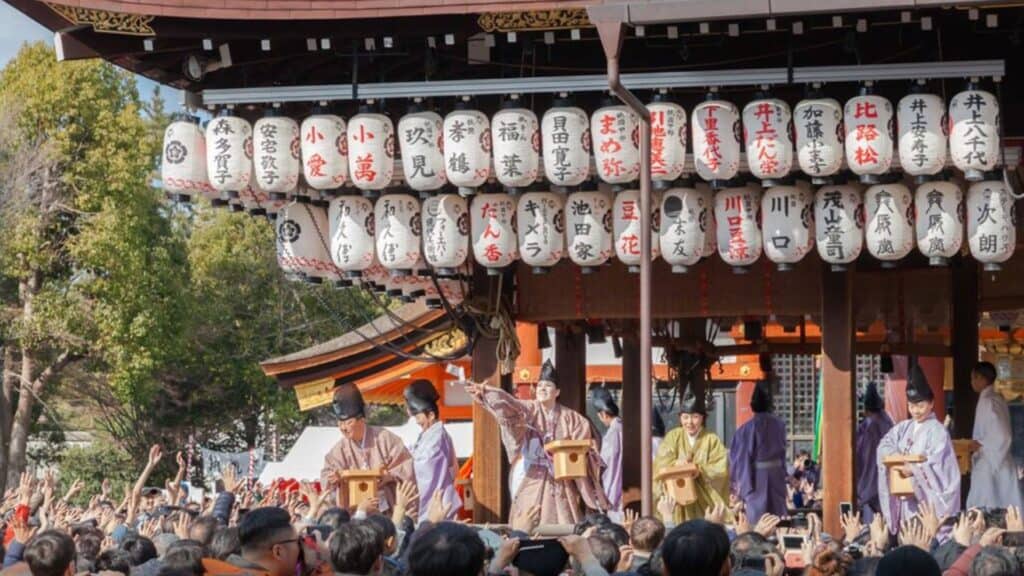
{"x":752,"y":330}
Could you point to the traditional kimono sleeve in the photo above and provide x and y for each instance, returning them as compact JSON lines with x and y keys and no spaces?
{"x":396,"y":459}
{"x":611,"y":457}
{"x":867,"y":472}
{"x":589,"y":487}
{"x":937,"y":479}
{"x":433,"y":467}
{"x":890,"y":506}
{"x":513,"y":417}
{"x":741,"y":462}
{"x":333,"y":463}
{"x":667,"y":455}
{"x":715,"y":469}
{"x":994,"y":417}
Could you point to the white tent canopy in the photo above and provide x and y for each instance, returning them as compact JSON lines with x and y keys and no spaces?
{"x":304,"y":460}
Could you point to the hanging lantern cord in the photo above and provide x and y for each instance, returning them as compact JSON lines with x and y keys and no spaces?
{"x":1002,"y":146}
{"x":498,"y":324}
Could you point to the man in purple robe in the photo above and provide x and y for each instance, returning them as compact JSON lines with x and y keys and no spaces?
{"x":757,"y":459}
{"x":872,"y":428}
{"x":433,"y":455}
{"x":937,"y":479}
{"x":611,"y":448}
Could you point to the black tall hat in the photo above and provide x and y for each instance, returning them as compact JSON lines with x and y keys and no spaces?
{"x":761,"y":399}
{"x":872,"y":399}
{"x":348,"y":402}
{"x":603,"y":401}
{"x":547,"y":373}
{"x":657,"y":424}
{"x":421,"y":396}
{"x":692,"y":403}
{"x":917,"y":386}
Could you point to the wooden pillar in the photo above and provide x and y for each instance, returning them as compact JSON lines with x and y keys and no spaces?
{"x":838,"y":395}
{"x":632,"y":434}
{"x":965,"y":351}
{"x":571,"y":367}
{"x":490,"y":466}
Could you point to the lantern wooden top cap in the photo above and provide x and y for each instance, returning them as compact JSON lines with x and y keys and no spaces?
{"x":567,"y":445}
{"x":373,"y":474}
{"x":900,"y":459}
{"x":679,"y":471}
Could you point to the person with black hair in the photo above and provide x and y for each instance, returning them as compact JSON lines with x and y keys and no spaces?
{"x":268,"y":541}
{"x":185,"y":555}
{"x":993,"y":470}
{"x":139,"y":548}
{"x":994,"y":561}
{"x":696,"y":548}
{"x":907,"y":561}
{"x":873,"y":426}
{"x":446,"y":549}
{"x":433,"y":455}
{"x":334,"y":517}
{"x":88,"y":544}
{"x":611,"y":447}
{"x":645,"y":536}
{"x":51,"y":553}
{"x":225,"y":543}
{"x":357,"y":548}
{"x":387,"y":530}
{"x":113,"y":560}
{"x":202,"y":529}
{"x":364,"y":447}
{"x":757,"y":459}
{"x":604,"y":549}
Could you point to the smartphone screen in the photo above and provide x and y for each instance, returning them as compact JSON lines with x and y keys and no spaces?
{"x":845,"y":508}
{"x":1013,"y":539}
{"x":792,"y":542}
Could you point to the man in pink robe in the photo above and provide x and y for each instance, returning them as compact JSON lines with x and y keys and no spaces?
{"x":526,"y":426}
{"x":364,"y":447}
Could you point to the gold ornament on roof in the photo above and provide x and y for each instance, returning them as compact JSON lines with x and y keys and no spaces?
{"x":105,"y":21}
{"x":447,"y":343}
{"x":562,"y":19}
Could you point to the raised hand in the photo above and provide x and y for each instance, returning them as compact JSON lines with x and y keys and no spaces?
{"x":74,"y":489}
{"x":851,"y":526}
{"x":629,"y":518}
{"x":22,"y":531}
{"x":991,"y":537}
{"x":914,"y":534}
{"x":105,"y":489}
{"x":715,"y":514}
{"x":504,"y":555}
{"x":879,"y":533}
{"x":407,"y":499}
{"x":666,"y":507}
{"x":155,"y":455}
{"x":438,"y":509}
{"x":370,"y":505}
{"x":230,"y":478}
{"x":181,"y":526}
{"x":929,"y":519}
{"x":625,"y":559}
{"x":26,"y":486}
{"x":1013,"y":520}
{"x":767,"y":524}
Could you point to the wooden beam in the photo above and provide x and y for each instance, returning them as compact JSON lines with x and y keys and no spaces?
{"x":571,"y":367}
{"x":965,"y":350}
{"x":838,"y":395}
{"x":490,"y":468}
{"x":632,"y":435}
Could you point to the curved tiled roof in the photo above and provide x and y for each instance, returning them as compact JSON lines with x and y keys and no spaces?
{"x":311,"y":9}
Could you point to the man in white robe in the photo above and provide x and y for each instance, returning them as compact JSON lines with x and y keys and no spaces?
{"x":993,"y":470}
{"x":433,"y":455}
{"x":611,"y":449}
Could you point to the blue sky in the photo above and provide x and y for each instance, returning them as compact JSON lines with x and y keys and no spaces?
{"x":16,"y":29}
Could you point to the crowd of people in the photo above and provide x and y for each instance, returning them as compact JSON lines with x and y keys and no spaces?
{"x":751,"y":513}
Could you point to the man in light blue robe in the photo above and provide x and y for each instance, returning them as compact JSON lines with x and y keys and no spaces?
{"x":937,"y":479}
{"x":611,"y":448}
{"x":433,"y":456}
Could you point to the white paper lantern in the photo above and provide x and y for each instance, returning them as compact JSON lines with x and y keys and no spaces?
{"x":229,"y":153}
{"x":445,"y":232}
{"x":889,"y":229}
{"x":371,"y":150}
{"x":467,"y":147}
{"x":352,"y":227}
{"x":183,"y":166}
{"x":839,"y":224}
{"x":565,"y":134}
{"x":276,"y":153}
{"x":493,"y":226}
{"x":398,"y":230}
{"x":540,"y":218}
{"x":819,"y":137}
{"x":921,"y":122}
{"x":324,"y":151}
{"x":716,"y":141}
{"x":626,"y":227}
{"x":668,"y":140}
{"x":974,"y":133}
{"x":788,"y":224}
{"x":515,"y":138}
{"x":938,"y":209}
{"x":991,"y":222}
{"x":588,"y":229}
{"x":766,"y":130}
{"x":302,"y":241}
{"x":615,"y":131}
{"x":738,"y":218}
{"x":421,"y":135}
{"x":686,"y":221}
{"x":869,"y":124}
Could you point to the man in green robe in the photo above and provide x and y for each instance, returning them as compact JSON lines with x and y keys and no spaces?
{"x":691,"y":443}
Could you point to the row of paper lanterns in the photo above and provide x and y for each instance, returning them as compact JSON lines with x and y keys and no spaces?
{"x":466,"y":148}
{"x":350,"y":235}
